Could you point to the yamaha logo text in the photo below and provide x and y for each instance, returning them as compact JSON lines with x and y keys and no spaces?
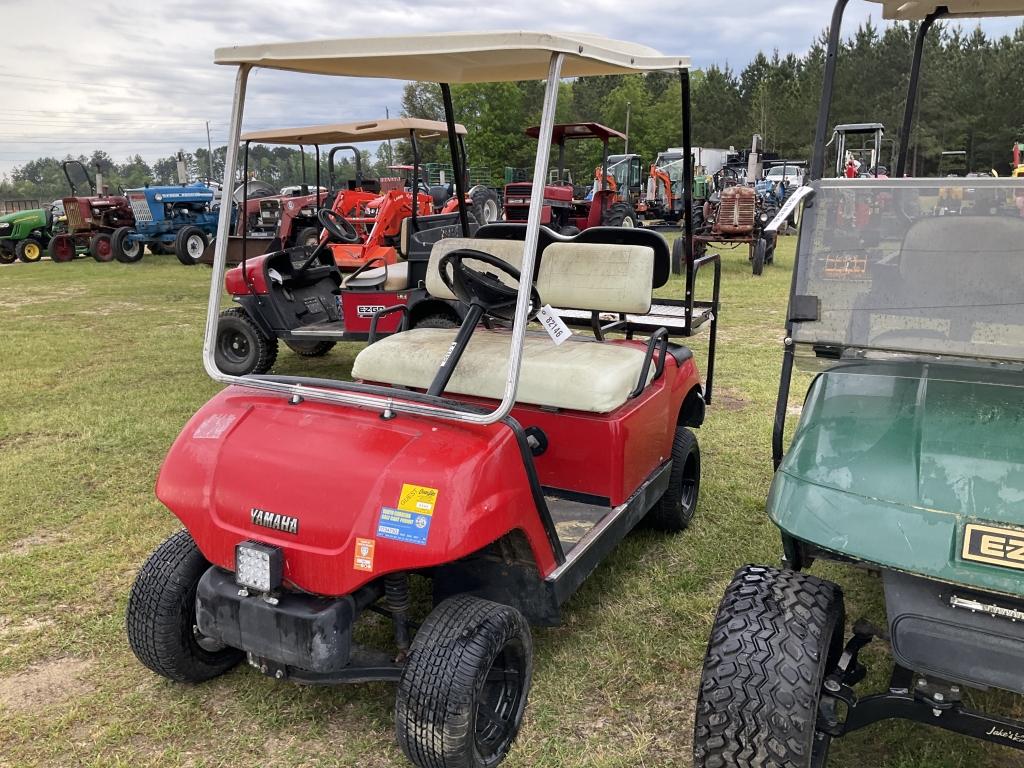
{"x":274,"y":521}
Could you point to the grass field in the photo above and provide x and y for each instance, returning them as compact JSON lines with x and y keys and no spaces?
{"x":101,"y":368}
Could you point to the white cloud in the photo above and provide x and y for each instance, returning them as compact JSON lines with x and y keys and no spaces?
{"x":139,"y":78}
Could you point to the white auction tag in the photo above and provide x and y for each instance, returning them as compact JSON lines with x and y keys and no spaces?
{"x":557,"y":330}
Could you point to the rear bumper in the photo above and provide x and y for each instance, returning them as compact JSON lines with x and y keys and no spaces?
{"x":302,"y":631}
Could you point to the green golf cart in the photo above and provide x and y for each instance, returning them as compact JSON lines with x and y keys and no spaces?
{"x":908,"y":462}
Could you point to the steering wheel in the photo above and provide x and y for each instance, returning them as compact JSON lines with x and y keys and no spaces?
{"x":337,"y":226}
{"x":484,"y":288}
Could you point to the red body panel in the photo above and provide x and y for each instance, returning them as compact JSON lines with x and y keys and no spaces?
{"x":236,"y":285}
{"x":334,"y":468}
{"x":358,"y":307}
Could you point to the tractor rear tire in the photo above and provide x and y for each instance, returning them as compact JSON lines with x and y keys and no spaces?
{"x":310,"y":348}
{"x":161,"y":616}
{"x":776,"y":635}
{"x":7,"y":255}
{"x":485,"y":206}
{"x":437,"y":321}
{"x":241,"y":346}
{"x":463,"y":690}
{"x":29,"y":250}
{"x":621,"y":215}
{"x":758,"y":256}
{"x":100,"y":247}
{"x":126,"y":251}
{"x":678,"y":255}
{"x":61,"y":249}
{"x":308,"y":237}
{"x":675,"y":509}
{"x":189,"y":245}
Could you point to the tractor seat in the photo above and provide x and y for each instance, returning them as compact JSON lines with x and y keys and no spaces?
{"x":393,"y":277}
{"x":440,"y":193}
{"x":583,"y":374}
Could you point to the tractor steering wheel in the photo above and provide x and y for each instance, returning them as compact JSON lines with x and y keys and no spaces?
{"x":484,"y":288}
{"x":337,"y":226}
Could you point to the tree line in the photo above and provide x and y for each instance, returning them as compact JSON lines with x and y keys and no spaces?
{"x":970,"y":100}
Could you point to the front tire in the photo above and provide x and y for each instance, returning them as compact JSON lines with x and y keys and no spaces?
{"x":100,"y":248}
{"x":308,"y":237}
{"x":463,"y":691}
{"x":485,"y":207}
{"x":189,"y":245}
{"x":620,"y":215}
{"x":757,"y":257}
{"x":776,"y":634}
{"x":310,"y":348}
{"x":29,"y":250}
{"x":7,"y":255}
{"x":161,"y":616}
{"x":241,"y":347}
{"x":61,"y":249}
{"x":126,"y":251}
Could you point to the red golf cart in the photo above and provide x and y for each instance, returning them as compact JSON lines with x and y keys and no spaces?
{"x":501,"y":462}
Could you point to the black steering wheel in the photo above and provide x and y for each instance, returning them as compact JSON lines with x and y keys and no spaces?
{"x":337,"y":226}
{"x":484,"y":288}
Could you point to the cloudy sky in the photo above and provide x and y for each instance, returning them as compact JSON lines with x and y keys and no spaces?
{"x":137,"y":77}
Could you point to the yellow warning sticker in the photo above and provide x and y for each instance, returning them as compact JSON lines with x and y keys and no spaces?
{"x":364,"y":555}
{"x":417,"y":499}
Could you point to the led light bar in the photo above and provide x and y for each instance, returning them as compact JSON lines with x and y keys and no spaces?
{"x":258,"y":566}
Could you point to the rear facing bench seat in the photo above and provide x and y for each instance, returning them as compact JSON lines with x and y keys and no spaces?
{"x":583,"y":374}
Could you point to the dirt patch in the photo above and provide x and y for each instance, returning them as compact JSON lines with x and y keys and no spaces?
{"x":40,"y":539}
{"x":26,"y":439}
{"x":27,"y":297}
{"x":44,"y":684}
{"x":730,"y":400}
{"x":114,"y":308}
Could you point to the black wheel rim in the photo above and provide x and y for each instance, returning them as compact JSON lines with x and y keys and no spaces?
{"x":500,"y":703}
{"x":235,"y":346}
{"x":689,"y":485}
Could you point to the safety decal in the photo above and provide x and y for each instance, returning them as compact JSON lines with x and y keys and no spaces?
{"x":364,"y":555}
{"x":408,"y":527}
{"x":417,"y":499}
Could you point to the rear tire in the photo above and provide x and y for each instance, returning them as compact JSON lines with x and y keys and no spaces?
{"x":675,"y":509}
{"x":308,"y":237}
{"x":189,"y":245}
{"x":100,"y":248}
{"x":29,"y":250}
{"x":463,"y":690}
{"x":776,"y":634}
{"x":310,"y":348}
{"x":620,"y":215}
{"x":161,"y":615}
{"x":126,"y":251}
{"x":485,"y":206}
{"x":241,"y":346}
{"x":437,"y":321}
{"x":61,"y":249}
{"x":758,"y":255}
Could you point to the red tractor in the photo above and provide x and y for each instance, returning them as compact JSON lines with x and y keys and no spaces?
{"x":91,"y":219}
{"x":563,"y":210}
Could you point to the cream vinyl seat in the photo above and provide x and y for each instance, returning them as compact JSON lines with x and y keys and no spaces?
{"x":583,"y":374}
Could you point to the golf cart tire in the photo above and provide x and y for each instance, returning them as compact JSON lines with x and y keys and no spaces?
{"x":29,"y":250}
{"x":484,"y":205}
{"x":181,"y":243}
{"x":757,"y":256}
{"x":263,"y":348}
{"x":443,"y":680}
{"x":7,"y":255}
{"x":61,"y":249}
{"x":308,"y":236}
{"x":676,"y":507}
{"x":776,"y":634}
{"x":310,"y":348}
{"x":621,"y":215}
{"x":437,"y":321}
{"x":126,"y":251}
{"x":160,"y":617}
{"x":100,"y":248}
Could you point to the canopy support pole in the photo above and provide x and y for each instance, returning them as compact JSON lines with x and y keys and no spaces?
{"x":912,"y":90}
{"x":458,"y":170}
{"x":834,"y":39}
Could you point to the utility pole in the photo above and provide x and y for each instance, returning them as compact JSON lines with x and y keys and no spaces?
{"x":209,"y":149}
{"x":629,"y":104}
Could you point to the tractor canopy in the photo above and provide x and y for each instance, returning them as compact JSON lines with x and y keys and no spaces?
{"x":912,"y":432}
{"x":918,"y":10}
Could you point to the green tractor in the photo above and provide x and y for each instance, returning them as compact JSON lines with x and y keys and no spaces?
{"x":24,"y":235}
{"x":907,"y":463}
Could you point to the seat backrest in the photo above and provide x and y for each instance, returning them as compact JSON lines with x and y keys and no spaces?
{"x":602,"y":277}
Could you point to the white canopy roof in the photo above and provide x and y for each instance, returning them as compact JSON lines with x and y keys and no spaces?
{"x":458,"y":57}
{"x":351,"y":133}
{"x":917,"y":10}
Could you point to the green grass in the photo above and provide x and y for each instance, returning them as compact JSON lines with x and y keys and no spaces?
{"x":101,"y":368}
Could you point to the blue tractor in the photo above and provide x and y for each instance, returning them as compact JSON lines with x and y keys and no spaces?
{"x":180,"y":218}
